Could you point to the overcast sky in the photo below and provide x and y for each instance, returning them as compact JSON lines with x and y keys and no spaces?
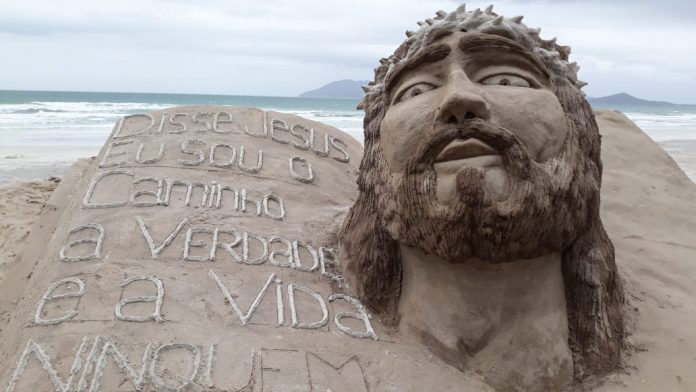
{"x":282,"y":48}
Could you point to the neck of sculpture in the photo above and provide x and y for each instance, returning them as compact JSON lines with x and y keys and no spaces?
{"x":502,"y":320}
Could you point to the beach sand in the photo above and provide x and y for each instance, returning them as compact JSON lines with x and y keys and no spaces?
{"x":39,"y":162}
{"x":20,"y":204}
{"x":649,"y":210}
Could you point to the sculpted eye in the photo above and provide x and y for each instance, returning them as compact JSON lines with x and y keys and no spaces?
{"x":506,"y":80}
{"x":415,"y":90}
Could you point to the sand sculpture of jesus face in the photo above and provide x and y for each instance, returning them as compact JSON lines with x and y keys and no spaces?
{"x":480,"y":146}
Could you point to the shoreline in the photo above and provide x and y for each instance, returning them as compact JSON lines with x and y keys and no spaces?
{"x":26,"y":163}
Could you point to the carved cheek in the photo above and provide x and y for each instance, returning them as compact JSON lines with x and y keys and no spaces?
{"x":534,"y":116}
{"x":403,"y":130}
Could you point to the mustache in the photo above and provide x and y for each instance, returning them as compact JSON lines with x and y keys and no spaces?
{"x":513,"y":152}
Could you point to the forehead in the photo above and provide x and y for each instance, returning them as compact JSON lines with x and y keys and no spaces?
{"x":491,"y":49}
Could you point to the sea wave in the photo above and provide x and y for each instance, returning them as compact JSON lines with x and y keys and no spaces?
{"x":37,"y":121}
{"x":89,"y":123}
{"x":666,"y":126}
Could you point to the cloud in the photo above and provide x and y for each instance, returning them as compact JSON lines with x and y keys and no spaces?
{"x":237,"y":47}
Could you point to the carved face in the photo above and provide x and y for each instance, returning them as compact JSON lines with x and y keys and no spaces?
{"x":472,"y":75}
{"x":480,"y":158}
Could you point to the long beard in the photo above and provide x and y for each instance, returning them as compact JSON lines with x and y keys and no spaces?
{"x":545,"y":209}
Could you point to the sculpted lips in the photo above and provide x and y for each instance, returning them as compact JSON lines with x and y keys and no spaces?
{"x":465,"y":149}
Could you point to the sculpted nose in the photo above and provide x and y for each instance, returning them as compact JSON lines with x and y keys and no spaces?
{"x":463,"y":100}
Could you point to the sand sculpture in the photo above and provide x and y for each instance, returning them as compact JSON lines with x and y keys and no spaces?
{"x":195,"y":253}
{"x":215,"y":248}
{"x":477,"y":227}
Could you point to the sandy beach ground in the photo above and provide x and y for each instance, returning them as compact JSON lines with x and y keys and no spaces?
{"x":39,"y":162}
{"x":649,"y":210}
{"x":20,"y":204}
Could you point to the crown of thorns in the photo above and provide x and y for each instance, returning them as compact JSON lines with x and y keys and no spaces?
{"x":554,"y":56}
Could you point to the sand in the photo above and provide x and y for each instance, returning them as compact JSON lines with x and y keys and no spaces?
{"x":649,"y":210}
{"x":20,"y":204}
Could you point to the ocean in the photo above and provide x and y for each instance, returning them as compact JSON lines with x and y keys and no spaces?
{"x":43,"y":132}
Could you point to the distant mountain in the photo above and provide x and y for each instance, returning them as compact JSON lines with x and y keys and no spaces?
{"x":624,"y":101}
{"x":341,"y":89}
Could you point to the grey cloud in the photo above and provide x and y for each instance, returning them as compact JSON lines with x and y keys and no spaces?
{"x":130,"y":44}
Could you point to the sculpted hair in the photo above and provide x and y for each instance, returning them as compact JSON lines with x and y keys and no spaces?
{"x":371,"y":257}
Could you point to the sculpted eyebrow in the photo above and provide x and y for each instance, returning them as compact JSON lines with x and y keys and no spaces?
{"x":429,"y":54}
{"x":483,"y":42}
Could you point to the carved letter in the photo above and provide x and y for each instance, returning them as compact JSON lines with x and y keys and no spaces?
{"x":161,"y":124}
{"x":122,"y":121}
{"x":208,"y":375}
{"x":157,"y":299}
{"x":214,"y":147}
{"x":185,"y":382}
{"x":281,"y":214}
{"x":139,"y":154}
{"x":186,"y":149}
{"x":279,"y":302}
{"x":182,"y":126}
{"x":348,"y":376}
{"x":250,"y":170}
{"x":97,"y":241}
{"x":87,"y":200}
{"x":246,"y":249}
{"x":155,"y":250}
{"x":228,"y":247}
{"x":361,"y":315}
{"x":243,"y":318}
{"x":325,"y":152}
{"x":264,"y":127}
{"x":287,"y":252}
{"x":340,"y":145}
{"x":156,"y":194}
{"x":90,"y":362}
{"x":217,"y":121}
{"x":197,"y":120}
{"x":244,"y":200}
{"x":189,"y":243}
{"x":220,"y":190}
{"x":310,"y":174}
{"x":137,"y":379}
{"x":305,"y":141}
{"x":48,"y":296}
{"x":189,"y":192}
{"x":108,"y":154}
{"x":279,"y":125}
{"x":296,"y":245}
{"x":45,"y":359}
{"x":293,"y":308}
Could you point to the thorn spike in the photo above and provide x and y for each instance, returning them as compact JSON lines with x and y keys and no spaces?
{"x":461,"y":9}
{"x":476,"y":12}
{"x":429,"y":21}
{"x":441,"y":14}
{"x":517,"y":19}
{"x":421,"y":24}
{"x":498,"y":21}
{"x":489,"y":9}
{"x":365,"y":88}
